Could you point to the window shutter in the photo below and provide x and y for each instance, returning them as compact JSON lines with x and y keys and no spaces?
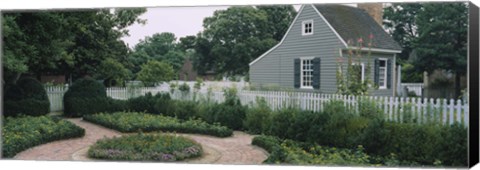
{"x":376,"y":74}
{"x":316,"y":73}
{"x":296,"y":68}
{"x":389,"y":74}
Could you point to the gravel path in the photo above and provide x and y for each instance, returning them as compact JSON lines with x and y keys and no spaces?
{"x":236,"y":149}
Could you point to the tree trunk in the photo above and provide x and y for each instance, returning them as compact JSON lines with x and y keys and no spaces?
{"x":457,"y":85}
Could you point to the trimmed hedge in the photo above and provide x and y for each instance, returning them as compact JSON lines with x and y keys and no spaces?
{"x":141,"y":147}
{"x":136,"y":121}
{"x":21,"y":133}
{"x":27,"y":97}
{"x":87,"y":96}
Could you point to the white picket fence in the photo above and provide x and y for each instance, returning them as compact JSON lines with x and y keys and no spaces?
{"x":400,"y":109}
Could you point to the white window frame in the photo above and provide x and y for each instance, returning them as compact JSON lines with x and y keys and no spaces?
{"x":363,"y":70}
{"x":303,"y":27}
{"x":301,"y":72}
{"x":384,"y":86}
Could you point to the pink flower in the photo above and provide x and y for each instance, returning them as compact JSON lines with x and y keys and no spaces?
{"x":370,"y":36}
{"x":360,"y":40}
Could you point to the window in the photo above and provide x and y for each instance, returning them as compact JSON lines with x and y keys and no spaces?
{"x":359,"y":68}
{"x":382,"y":73}
{"x":307,"y":27}
{"x":306,"y":71}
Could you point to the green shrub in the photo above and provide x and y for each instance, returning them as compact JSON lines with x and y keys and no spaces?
{"x":229,"y":113}
{"x":258,"y":118}
{"x":368,"y":109}
{"x":30,"y":107}
{"x":135,"y":121}
{"x":164,"y":105}
{"x":21,"y":133}
{"x":281,"y":122}
{"x":455,"y":138}
{"x":144,"y":103}
{"x":85,"y":96}
{"x":300,"y":126}
{"x":299,"y":153}
{"x":27,"y":97}
{"x":185,"y":109}
{"x":141,"y":147}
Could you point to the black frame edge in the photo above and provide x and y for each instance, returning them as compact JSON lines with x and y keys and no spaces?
{"x":473,"y":63}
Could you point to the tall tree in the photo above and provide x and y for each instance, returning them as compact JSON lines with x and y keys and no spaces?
{"x":65,"y":42}
{"x":158,"y":47}
{"x":234,"y":37}
{"x":279,"y":18}
{"x":442,"y":40}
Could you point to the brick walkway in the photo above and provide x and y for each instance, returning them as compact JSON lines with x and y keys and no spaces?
{"x":232,"y":150}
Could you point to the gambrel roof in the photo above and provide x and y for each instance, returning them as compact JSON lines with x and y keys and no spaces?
{"x":353,"y":23}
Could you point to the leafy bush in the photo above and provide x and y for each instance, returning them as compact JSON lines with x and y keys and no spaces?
{"x":21,"y":133}
{"x":229,"y":113}
{"x":185,"y":109}
{"x":368,"y":109}
{"x":27,"y":97}
{"x":141,"y":147}
{"x":257,"y":119}
{"x":85,"y":96}
{"x":281,"y":122}
{"x":135,"y":121}
{"x":299,"y":153}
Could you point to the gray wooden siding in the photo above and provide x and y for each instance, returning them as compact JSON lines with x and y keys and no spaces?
{"x":276,"y":68}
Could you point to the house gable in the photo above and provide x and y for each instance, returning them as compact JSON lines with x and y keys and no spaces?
{"x":276,"y":65}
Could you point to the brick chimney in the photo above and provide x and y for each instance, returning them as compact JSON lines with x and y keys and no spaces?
{"x":374,"y":9}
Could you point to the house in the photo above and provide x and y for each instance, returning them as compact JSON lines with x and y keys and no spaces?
{"x":306,"y":58}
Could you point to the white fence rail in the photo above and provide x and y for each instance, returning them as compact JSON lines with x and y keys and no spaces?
{"x":400,"y":109}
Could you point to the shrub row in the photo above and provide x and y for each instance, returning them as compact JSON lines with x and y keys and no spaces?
{"x":136,"y":121}
{"x":26,"y":97}
{"x":141,"y":147}
{"x":23,"y":132}
{"x":336,"y":126}
{"x":229,"y":113}
{"x":87,"y":96}
{"x":301,"y":153}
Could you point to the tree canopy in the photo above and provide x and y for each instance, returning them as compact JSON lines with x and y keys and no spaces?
{"x":234,"y":37}
{"x":71,"y":42}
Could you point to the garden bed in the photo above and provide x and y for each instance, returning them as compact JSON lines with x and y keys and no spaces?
{"x":137,"y":121}
{"x":21,"y":133}
{"x":146,"y":147}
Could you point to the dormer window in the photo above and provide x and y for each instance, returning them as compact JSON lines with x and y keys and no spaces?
{"x":307,"y":27}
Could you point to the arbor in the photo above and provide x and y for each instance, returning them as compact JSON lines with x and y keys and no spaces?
{"x":234,"y":37}
{"x":154,"y":72}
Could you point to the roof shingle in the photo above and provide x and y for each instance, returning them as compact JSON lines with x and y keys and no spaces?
{"x":353,"y":23}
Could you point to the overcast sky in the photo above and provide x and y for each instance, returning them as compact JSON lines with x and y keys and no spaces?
{"x":182,"y":21}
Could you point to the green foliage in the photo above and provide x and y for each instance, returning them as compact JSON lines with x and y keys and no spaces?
{"x":185,"y":110}
{"x":234,"y":37}
{"x":30,"y":107}
{"x":159,"y":103}
{"x":136,"y":121}
{"x":27,"y":97}
{"x":368,"y":109}
{"x":185,"y":88}
{"x":298,"y":153}
{"x":154,"y":72}
{"x":85,"y":96}
{"x":281,"y":121}
{"x":113,"y":71}
{"x":21,"y":133}
{"x":349,"y":77}
{"x":141,"y":147}
{"x":257,"y":118}
{"x":229,"y":113}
